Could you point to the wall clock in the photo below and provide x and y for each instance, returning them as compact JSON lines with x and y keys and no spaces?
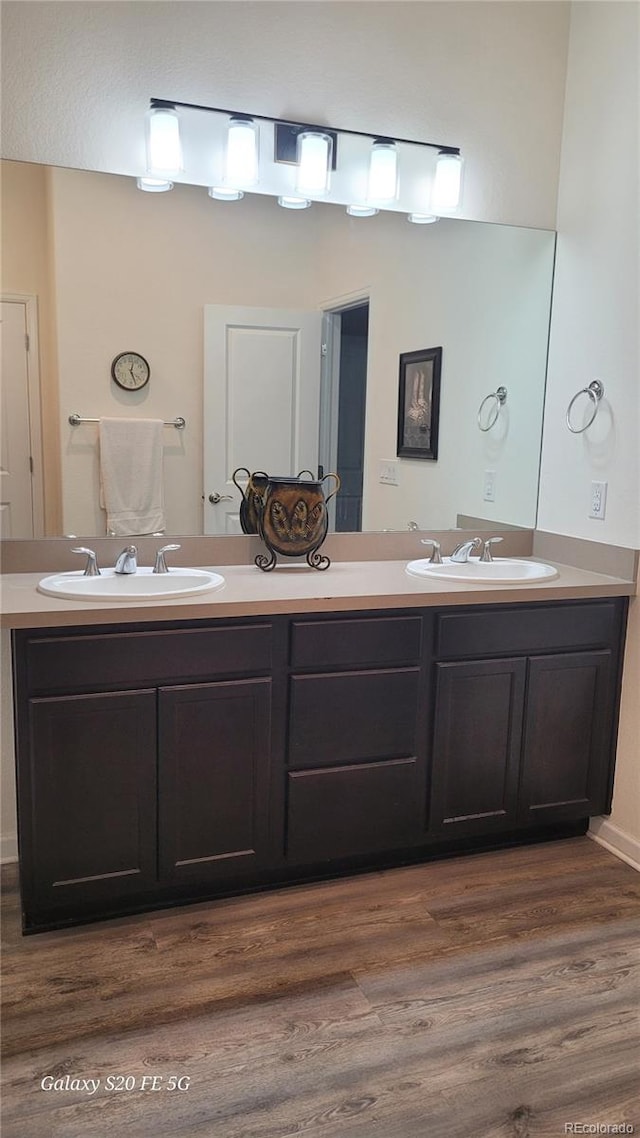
{"x":130,"y":371}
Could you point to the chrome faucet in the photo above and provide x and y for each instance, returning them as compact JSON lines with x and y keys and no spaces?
{"x":486,"y":552}
{"x":436,"y":556}
{"x":127,"y":561}
{"x":462,"y":551}
{"x":91,"y":568}
{"x":161,"y":565}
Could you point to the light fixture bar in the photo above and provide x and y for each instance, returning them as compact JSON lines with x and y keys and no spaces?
{"x":172,"y":104}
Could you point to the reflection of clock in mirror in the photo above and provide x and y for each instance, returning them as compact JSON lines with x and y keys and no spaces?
{"x":130,"y":371}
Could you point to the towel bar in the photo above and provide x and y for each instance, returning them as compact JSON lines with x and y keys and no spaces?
{"x":75,"y":419}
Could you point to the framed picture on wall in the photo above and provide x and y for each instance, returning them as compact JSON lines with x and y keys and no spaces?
{"x":419,"y":403}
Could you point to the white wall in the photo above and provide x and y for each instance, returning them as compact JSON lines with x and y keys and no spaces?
{"x":595,"y":321}
{"x":594,"y":333}
{"x":488,"y":77}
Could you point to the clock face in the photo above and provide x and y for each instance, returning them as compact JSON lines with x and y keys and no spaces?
{"x":130,"y":371}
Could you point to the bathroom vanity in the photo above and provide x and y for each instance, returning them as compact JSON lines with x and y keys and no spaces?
{"x":170,"y":760}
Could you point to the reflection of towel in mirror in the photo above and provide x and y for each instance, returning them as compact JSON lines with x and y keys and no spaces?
{"x":131,"y":489}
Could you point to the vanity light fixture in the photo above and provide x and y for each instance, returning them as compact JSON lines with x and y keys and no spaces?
{"x":232,"y":152}
{"x":383,"y":172}
{"x":164,"y":149}
{"x":288,"y":201}
{"x":447,"y":185}
{"x":314,"y":163}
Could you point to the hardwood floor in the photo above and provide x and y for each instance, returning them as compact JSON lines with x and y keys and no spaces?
{"x":482,"y":997}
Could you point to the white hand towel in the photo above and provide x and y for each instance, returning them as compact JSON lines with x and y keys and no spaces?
{"x":131,"y":486}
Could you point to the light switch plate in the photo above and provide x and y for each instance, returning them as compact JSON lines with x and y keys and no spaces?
{"x":388,"y":472}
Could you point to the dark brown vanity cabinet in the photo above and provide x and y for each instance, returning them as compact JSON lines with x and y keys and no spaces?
{"x":132,"y":788}
{"x":525,"y":740}
{"x":166,"y":762}
{"x":357,"y":736}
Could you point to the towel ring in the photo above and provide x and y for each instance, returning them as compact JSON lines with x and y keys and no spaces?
{"x":500,"y":396}
{"x":594,"y":391}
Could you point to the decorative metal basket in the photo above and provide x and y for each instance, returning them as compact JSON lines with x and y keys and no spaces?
{"x":289,"y":513}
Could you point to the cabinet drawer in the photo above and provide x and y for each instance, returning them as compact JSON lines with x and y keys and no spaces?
{"x":356,"y":643}
{"x":124,"y":659}
{"x":353,"y":717}
{"x":353,"y":810}
{"x":536,"y":628}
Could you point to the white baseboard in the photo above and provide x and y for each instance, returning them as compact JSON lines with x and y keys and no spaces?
{"x":8,"y":848}
{"x":623,"y":845}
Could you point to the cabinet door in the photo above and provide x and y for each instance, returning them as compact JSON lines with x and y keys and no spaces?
{"x":88,"y":800}
{"x":568,"y":730}
{"x":477,"y":737}
{"x":214,"y":779}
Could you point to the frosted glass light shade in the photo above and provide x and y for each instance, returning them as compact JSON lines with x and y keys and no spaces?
{"x":287,"y":201}
{"x":447,"y":184}
{"x":242,"y":153}
{"x":422,"y":218}
{"x":361,"y":210}
{"x":164,"y":150}
{"x":314,"y":163}
{"x":225,"y":194}
{"x":383,"y":172}
{"x":154,"y":185}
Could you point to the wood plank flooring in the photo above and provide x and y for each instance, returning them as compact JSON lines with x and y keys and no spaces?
{"x":492,"y":996}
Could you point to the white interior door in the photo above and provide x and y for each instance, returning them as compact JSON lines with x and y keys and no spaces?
{"x":16,"y":465}
{"x":261,"y":400}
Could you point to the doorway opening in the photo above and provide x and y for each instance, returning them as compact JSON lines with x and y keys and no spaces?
{"x":343,"y":393}
{"x":21,"y":478}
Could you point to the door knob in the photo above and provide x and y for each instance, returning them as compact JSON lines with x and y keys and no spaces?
{"x":216,"y":497}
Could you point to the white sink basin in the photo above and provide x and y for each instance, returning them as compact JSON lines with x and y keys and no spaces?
{"x":500,"y":571}
{"x":145,"y":585}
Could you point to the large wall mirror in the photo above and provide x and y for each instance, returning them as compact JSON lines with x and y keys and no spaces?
{"x":122,"y":270}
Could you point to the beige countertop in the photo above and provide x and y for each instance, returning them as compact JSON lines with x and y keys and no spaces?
{"x":294,"y":588}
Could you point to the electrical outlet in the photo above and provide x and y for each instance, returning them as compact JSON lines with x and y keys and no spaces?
{"x":489,"y":492}
{"x":388,"y":472}
{"x":598,"y":500}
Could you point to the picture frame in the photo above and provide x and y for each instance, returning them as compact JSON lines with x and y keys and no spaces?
{"x":419,"y":403}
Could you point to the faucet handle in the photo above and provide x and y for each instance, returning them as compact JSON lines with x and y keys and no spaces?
{"x":486,"y":552}
{"x":91,"y":568}
{"x":436,"y":556}
{"x":161,"y":565}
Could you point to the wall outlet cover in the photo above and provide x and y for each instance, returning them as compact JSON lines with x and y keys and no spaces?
{"x":598,"y":500}
{"x":489,"y":486}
